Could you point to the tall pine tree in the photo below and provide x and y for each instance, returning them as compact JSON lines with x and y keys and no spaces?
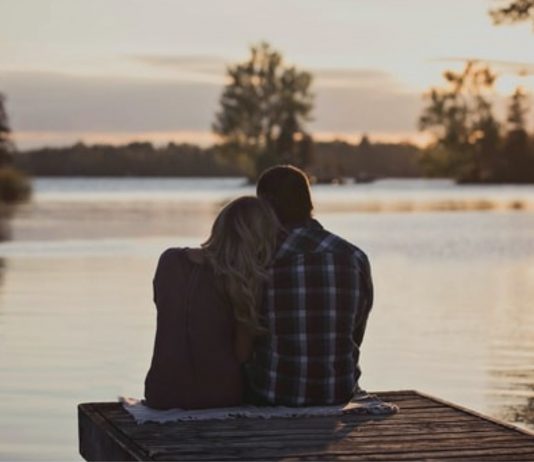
{"x":6,"y":145}
{"x":519,"y":162}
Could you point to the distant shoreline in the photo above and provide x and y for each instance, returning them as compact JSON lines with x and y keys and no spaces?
{"x":182,"y":195}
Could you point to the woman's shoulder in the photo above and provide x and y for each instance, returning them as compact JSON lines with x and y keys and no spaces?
{"x":171,"y":258}
{"x":173,"y":253}
{"x":182,"y":255}
{"x":172,"y":263}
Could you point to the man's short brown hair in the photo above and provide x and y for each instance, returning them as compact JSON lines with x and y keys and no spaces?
{"x":287,"y":189}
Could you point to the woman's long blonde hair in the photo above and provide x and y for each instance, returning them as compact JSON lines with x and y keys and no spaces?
{"x":241,"y":246}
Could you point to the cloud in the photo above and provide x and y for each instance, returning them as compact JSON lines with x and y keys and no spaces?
{"x":209,"y":68}
{"x":367,"y":109}
{"x":193,"y":68}
{"x":361,"y":75}
{"x":353,"y":78}
{"x":508,"y":67}
{"x":59,"y":102}
{"x":55,"y":105}
{"x":197,"y":63}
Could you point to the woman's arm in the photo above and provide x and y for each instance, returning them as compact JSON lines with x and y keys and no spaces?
{"x":243,"y":343}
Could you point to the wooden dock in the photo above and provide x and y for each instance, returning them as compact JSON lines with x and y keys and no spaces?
{"x":426,"y":428}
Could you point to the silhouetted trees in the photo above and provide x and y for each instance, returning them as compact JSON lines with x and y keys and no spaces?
{"x":15,"y":186}
{"x":518,"y":158}
{"x":513,"y":11}
{"x":262,"y":113}
{"x":6,"y":146}
{"x":461,"y":119}
{"x":331,"y":160}
{"x":364,"y":161}
{"x":134,"y":159}
{"x":469,"y":141}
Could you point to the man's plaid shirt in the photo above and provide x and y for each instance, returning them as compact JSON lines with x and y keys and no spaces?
{"x":315,"y":306}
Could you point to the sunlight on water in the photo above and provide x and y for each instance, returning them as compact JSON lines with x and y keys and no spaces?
{"x":385,"y":195}
{"x":453,"y":314}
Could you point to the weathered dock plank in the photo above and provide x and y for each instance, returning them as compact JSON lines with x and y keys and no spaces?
{"x":426,"y":428}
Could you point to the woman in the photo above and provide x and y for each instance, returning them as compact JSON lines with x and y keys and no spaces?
{"x":206,"y":301}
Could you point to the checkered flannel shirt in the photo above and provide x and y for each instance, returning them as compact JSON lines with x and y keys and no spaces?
{"x":315,"y":306}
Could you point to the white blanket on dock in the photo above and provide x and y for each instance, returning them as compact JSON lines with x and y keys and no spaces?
{"x":364,"y":404}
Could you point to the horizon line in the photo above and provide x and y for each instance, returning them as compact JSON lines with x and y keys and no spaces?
{"x":33,"y":140}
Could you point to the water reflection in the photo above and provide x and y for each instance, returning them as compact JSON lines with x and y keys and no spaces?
{"x":511,"y":392}
{"x":453,"y":316}
{"x":519,"y":409}
{"x":454,"y":313}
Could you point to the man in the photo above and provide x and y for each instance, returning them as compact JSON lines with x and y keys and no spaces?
{"x":315,"y":305}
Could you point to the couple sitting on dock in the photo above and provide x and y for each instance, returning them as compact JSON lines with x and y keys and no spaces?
{"x":270,"y":310}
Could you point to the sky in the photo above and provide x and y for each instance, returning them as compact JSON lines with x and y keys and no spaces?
{"x":115,"y":71}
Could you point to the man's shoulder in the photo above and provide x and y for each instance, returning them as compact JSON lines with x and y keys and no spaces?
{"x":314,"y":239}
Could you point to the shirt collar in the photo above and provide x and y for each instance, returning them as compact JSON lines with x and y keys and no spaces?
{"x":310,"y":223}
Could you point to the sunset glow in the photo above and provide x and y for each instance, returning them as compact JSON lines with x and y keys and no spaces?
{"x":101,"y":70}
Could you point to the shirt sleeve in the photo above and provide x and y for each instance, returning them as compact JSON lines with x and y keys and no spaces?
{"x":365,"y":299}
{"x":162,"y":274}
{"x":367,"y":285}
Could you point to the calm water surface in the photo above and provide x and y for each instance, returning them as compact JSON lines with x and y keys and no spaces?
{"x":453,"y":316}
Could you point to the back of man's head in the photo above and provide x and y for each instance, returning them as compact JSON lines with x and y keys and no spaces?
{"x":287,"y":189}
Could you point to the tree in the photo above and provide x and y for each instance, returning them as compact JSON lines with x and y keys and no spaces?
{"x":369,"y":160}
{"x":519,"y":161}
{"x":517,"y":155}
{"x":6,"y":145}
{"x":262,"y":113}
{"x":515,"y":11}
{"x":518,"y":110}
{"x":466,"y":132}
{"x":14,"y":185}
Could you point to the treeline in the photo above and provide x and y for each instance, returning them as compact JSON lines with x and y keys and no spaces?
{"x":365,"y":161}
{"x":470,"y":143}
{"x":15,"y":186}
{"x":329,"y":161}
{"x":134,"y":159}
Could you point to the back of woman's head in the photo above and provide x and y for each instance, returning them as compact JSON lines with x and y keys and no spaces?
{"x":241,"y":245}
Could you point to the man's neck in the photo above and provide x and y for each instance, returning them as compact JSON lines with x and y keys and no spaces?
{"x":301,"y":224}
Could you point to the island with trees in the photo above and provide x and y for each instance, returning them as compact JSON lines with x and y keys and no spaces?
{"x":15,"y":186}
{"x":261,"y":122}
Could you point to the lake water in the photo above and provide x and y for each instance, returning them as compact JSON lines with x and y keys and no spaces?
{"x":453,"y":316}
